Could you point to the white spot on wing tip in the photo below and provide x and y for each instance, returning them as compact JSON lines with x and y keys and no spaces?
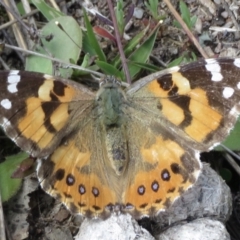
{"x":215,"y":69}
{"x":234,"y":111}
{"x":217,"y":77}
{"x":13,"y":77}
{"x":13,"y":72}
{"x":5,"y":103}
{"x":237,"y":62}
{"x":238,"y":85}
{"x":47,"y":76}
{"x":228,"y":92}
{"x":210,"y":61}
{"x":174,"y":69}
{"x":12,"y":88}
{"x":5,"y":123}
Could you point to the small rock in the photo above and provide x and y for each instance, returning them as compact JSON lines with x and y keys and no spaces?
{"x":138,"y":13}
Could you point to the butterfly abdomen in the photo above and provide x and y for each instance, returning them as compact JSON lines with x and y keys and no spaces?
{"x":110,"y":100}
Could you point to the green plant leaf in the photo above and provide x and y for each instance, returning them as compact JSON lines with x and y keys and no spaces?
{"x":20,"y":8}
{"x":233,"y":140}
{"x":48,"y":12}
{"x":85,"y":64}
{"x":109,"y":69}
{"x":184,"y":59}
{"x":128,"y":49}
{"x":185,"y":14}
{"x":120,"y":17}
{"x":142,"y":54}
{"x":146,"y":66}
{"x":86,"y":45}
{"x":93,"y":40}
{"x":193,"y":21}
{"x":8,"y":185}
{"x":176,"y":62}
{"x":152,"y":6}
{"x":61,"y":46}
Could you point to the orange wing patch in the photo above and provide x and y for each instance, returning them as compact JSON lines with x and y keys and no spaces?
{"x":205,"y":119}
{"x":31,"y":125}
{"x":157,"y":188}
{"x":80,"y":189}
{"x":40,"y":125}
{"x":63,"y":92}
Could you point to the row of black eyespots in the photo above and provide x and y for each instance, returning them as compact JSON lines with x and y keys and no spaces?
{"x":165,"y":176}
{"x":155,"y":186}
{"x":70,"y":181}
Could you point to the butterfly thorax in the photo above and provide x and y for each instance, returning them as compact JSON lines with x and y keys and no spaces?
{"x":110,"y":100}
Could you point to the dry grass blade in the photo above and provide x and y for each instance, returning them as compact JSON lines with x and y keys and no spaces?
{"x":54,"y":4}
{"x":119,"y":43}
{"x":31,"y":21}
{"x":16,"y":29}
{"x":233,"y":163}
{"x":54,"y":59}
{"x":185,"y":28}
{"x":5,"y":25}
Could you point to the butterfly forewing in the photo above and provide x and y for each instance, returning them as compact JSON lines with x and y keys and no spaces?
{"x":35,"y":109}
{"x":201,"y":99}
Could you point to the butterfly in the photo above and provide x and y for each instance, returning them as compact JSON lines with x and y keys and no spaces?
{"x":133,"y":150}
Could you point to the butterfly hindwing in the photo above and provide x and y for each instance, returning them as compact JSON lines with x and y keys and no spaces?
{"x":161,"y":167}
